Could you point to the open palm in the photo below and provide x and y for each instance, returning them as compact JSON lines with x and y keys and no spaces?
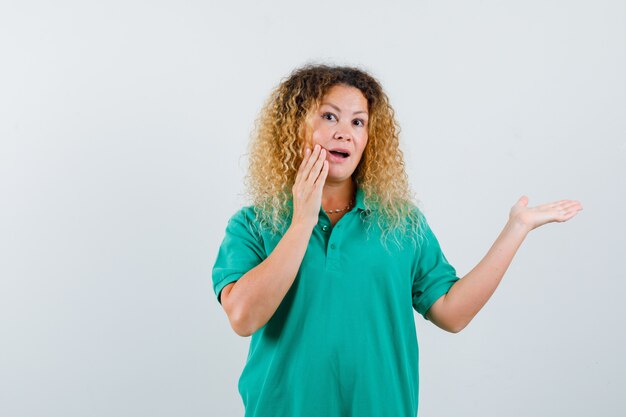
{"x":533,"y":217}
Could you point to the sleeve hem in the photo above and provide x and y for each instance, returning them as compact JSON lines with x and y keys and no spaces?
{"x":429,"y":298}
{"x":224,"y":282}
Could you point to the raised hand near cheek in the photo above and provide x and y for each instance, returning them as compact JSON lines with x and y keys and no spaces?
{"x":308,"y":186}
{"x":533,"y":217}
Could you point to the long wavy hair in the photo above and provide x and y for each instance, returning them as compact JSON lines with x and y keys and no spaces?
{"x":281,"y":131}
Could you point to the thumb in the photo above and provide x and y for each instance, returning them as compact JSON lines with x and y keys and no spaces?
{"x":523,"y":201}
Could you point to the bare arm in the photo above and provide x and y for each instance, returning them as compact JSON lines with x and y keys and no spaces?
{"x":252,"y":300}
{"x":454,"y":310}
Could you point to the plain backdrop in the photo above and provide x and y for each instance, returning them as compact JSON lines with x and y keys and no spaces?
{"x":124,"y":128}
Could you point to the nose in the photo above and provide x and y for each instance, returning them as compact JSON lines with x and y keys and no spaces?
{"x":342,"y":132}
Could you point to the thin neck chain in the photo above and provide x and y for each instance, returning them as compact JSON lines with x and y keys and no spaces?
{"x":340,"y":210}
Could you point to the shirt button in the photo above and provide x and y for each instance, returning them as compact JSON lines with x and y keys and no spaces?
{"x":325,"y":228}
{"x":332,"y":246}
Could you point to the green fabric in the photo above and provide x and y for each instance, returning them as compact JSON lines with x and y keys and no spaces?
{"x":343,"y":341}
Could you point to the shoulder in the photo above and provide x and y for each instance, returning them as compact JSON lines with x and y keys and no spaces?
{"x":244,"y":220}
{"x":245,"y":214}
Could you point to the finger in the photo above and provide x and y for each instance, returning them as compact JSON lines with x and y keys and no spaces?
{"x":569,"y":211}
{"x":315,"y":172}
{"x":567,"y":215}
{"x":555,"y":203}
{"x":311,"y":162}
{"x":567,"y":204}
{"x":305,"y":155}
{"x":302,"y":171}
{"x":523,"y":200}
{"x":321,"y":179}
{"x":317,"y":166}
{"x":571,"y":206}
{"x":305,"y":158}
{"x":561,"y":202}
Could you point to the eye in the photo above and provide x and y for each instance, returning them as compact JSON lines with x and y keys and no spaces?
{"x":359,"y":122}
{"x":328,"y":116}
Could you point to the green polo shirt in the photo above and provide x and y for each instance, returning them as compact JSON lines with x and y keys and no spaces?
{"x":343,"y":341}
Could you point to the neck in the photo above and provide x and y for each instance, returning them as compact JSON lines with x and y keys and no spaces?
{"x":338,"y":195}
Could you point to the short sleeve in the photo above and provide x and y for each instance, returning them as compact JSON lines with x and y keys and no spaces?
{"x":241,"y":250}
{"x":434,"y":275}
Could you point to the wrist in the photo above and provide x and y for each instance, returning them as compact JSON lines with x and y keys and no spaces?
{"x":515,"y":224}
{"x":301,"y":227}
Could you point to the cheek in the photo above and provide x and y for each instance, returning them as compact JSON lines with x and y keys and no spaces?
{"x":319,"y":132}
{"x":313,"y":136}
{"x":363,"y":144}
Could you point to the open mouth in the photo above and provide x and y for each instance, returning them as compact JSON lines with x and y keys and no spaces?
{"x":339,"y":154}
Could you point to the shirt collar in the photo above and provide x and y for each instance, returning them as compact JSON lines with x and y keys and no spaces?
{"x":359,"y":199}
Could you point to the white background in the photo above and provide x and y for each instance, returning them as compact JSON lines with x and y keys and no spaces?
{"x":124,"y":128}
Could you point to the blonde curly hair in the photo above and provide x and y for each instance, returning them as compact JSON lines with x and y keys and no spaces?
{"x":281,"y":131}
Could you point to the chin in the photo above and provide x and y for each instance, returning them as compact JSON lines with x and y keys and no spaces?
{"x":339,"y":176}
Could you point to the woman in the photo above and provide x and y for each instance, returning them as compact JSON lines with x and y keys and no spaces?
{"x":308,"y":271}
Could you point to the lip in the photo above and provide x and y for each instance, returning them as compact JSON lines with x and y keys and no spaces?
{"x":340,"y":150}
{"x":334,"y":158}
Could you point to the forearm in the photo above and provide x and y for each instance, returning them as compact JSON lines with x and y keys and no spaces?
{"x":255,"y":297}
{"x":469,"y":294}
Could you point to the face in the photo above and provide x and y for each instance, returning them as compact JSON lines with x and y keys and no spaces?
{"x":340,"y":126}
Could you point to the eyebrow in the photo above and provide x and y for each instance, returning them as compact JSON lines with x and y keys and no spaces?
{"x":339,"y":110}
